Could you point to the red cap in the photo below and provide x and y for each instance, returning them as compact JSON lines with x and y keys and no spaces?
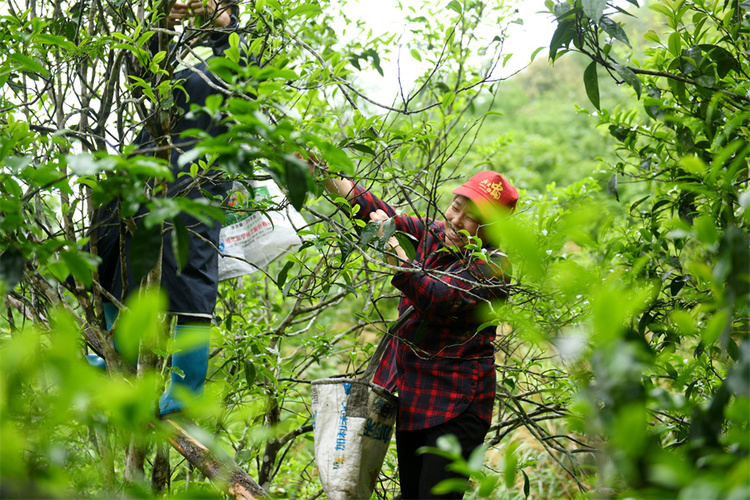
{"x":490,"y":192}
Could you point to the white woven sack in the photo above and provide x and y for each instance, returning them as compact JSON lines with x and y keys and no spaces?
{"x":353,"y":423}
{"x":250,"y":241}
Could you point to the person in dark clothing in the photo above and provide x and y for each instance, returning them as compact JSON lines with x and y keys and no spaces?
{"x":440,"y":361}
{"x":192,"y":290}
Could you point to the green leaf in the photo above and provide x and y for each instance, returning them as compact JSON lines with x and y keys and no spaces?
{"x":56,"y":40}
{"x":629,"y":77}
{"x":693,"y":164}
{"x":690,"y":59}
{"x":180,"y":242}
{"x":661,"y":9}
{"x":145,"y":248}
{"x":560,"y":9}
{"x":594,"y":9}
{"x":415,"y":54}
{"x":406,"y":244}
{"x":82,"y":164}
{"x":148,"y":167}
{"x":562,"y":37}
{"x":526,"y":484}
{"x":306,"y":9}
{"x":487,"y":486}
{"x":234,"y":40}
{"x":27,"y":64}
{"x":11,"y":268}
{"x":250,"y":373}
{"x":614,"y":30}
{"x":705,"y":81}
{"x":451,"y":485}
{"x":78,"y":266}
{"x":684,"y":322}
{"x":362,"y":148}
{"x":370,"y":231}
{"x":675,"y":43}
{"x":533,"y":54}
{"x":725,"y":61}
{"x":287,"y":287}
{"x":450,"y":444}
{"x":389,"y":227}
{"x":521,"y":244}
{"x":159,"y":57}
{"x":141,"y":320}
{"x":163,"y":209}
{"x":336,"y":158}
{"x":716,"y":325}
{"x":591,"y":81}
{"x":652,"y":36}
{"x":281,"y":279}
{"x":296,"y":175}
{"x":455,"y":6}
{"x":511,"y":462}
{"x":213,"y":103}
{"x":612,"y":187}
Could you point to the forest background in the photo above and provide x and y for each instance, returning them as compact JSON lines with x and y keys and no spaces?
{"x":622,"y":355}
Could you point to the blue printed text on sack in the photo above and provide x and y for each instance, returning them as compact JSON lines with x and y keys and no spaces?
{"x":341,"y":434}
{"x":377,"y":430}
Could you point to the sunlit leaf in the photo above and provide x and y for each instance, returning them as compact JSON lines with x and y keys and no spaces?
{"x":594,"y":9}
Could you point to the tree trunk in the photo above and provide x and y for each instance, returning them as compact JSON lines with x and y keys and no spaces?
{"x":161,"y":471}
{"x":273,"y":417}
{"x":101,"y":442}
{"x":135,"y":456}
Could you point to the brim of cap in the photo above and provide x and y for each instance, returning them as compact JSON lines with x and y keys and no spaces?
{"x":486,"y":207}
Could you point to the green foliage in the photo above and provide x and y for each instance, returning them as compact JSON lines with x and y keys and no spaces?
{"x":622,"y":352}
{"x":660,"y":367}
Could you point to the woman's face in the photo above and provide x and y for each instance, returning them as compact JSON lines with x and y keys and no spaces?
{"x":461,"y":215}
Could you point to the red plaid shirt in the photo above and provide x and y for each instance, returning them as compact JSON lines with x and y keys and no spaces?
{"x":439,"y":361}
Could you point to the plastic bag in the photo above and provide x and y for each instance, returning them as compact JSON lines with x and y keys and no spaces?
{"x":249,"y":241}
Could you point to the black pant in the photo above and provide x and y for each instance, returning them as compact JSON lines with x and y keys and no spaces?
{"x":419,"y":473}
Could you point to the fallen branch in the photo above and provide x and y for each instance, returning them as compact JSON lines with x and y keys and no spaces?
{"x":214,"y":463}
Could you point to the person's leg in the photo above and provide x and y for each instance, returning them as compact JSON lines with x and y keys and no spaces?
{"x":191,"y":358}
{"x":409,"y":463}
{"x":470,"y":431}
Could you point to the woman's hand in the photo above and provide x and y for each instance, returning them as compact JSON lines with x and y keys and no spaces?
{"x":379,"y":216}
{"x":204,"y":9}
{"x":393,"y":244}
{"x":178,"y":14}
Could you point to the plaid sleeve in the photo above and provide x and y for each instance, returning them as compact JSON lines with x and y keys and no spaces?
{"x":368,"y":203}
{"x":450,"y":292}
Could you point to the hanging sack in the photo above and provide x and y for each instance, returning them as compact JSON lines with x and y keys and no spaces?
{"x":251,"y":240}
{"x":353,"y":422}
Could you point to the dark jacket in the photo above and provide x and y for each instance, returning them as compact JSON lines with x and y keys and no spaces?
{"x":192,"y":290}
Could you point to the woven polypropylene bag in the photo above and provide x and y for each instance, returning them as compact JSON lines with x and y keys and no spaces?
{"x":353,"y":422}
